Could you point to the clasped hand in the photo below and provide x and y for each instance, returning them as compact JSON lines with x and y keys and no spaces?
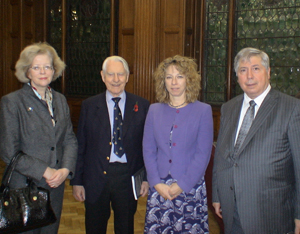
{"x":168,"y":191}
{"x":55,"y":178}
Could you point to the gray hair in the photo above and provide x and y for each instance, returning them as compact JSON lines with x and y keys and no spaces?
{"x":116,"y":59}
{"x":245,"y":55}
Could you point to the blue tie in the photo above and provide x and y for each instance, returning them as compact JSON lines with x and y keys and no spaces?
{"x":117,"y":129}
{"x":247,"y":122}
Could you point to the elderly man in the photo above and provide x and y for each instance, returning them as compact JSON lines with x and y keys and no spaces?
{"x":110,"y":133}
{"x":256,"y":175}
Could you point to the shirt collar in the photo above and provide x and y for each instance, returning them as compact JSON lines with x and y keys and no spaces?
{"x":258,"y":100}
{"x":109,"y":97}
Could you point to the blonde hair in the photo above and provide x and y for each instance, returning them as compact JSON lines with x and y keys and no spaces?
{"x":28,"y":55}
{"x":187,"y":67}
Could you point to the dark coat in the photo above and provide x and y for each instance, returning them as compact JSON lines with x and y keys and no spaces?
{"x":94,"y":139}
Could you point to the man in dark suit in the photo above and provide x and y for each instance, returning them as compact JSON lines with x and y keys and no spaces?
{"x":256,"y":178}
{"x":103,"y":171}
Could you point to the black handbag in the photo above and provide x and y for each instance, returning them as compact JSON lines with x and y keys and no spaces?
{"x":23,"y":209}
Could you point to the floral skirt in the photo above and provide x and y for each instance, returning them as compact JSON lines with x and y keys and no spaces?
{"x":187,"y":213}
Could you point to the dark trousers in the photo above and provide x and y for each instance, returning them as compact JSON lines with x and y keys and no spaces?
{"x":117,"y":194}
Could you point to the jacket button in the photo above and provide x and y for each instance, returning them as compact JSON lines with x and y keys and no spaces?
{"x":57,"y":161}
{"x":109,"y":143}
{"x":107,"y":158}
{"x":170,"y":161}
{"x":52,"y":148}
{"x":104,"y":173}
{"x":231,"y":188}
{"x":235,"y":164}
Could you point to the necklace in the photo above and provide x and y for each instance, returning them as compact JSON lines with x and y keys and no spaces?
{"x":176,"y":106}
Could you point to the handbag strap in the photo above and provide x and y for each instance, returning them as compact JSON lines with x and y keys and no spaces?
{"x":10,"y":168}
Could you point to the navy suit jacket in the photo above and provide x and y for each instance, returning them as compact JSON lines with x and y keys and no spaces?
{"x":94,"y":141}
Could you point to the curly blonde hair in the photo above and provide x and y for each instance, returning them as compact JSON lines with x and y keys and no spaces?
{"x":28,"y":55}
{"x":187,"y":67}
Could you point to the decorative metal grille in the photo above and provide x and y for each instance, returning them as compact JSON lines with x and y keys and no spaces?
{"x":215,"y":51}
{"x":54,"y":33}
{"x":270,"y":25}
{"x":88,"y":43}
{"x":273,"y":26}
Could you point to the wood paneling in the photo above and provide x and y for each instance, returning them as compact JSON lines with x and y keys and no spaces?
{"x":126,"y":45}
{"x":22,"y":22}
{"x":148,"y":32}
{"x":172,"y":28}
{"x":145,"y":47}
{"x":216,"y":119}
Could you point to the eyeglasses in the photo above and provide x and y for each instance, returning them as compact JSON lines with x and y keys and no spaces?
{"x":45,"y":68}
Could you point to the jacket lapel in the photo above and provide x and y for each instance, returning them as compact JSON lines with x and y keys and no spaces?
{"x":129,"y":113}
{"x":235,"y":115}
{"x":102,"y":114}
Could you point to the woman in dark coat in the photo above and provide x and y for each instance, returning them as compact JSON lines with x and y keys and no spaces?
{"x":36,"y":120}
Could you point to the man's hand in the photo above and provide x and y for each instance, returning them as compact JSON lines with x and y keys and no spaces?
{"x":218,"y":209}
{"x":79,"y":193}
{"x":297,"y":226}
{"x":175,"y":190}
{"x":163,"y":190}
{"x":144,"y":189}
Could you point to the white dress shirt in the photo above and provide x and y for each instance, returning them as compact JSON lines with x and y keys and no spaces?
{"x":258,"y":101}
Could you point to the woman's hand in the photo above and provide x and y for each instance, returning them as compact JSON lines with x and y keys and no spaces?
{"x":163,"y":190}
{"x":175,"y":190}
{"x":55,"y":178}
{"x":49,"y":173}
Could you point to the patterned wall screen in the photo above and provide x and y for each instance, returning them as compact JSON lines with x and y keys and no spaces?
{"x":88,"y":43}
{"x":54,"y":33}
{"x":274,"y":27}
{"x":270,"y":25}
{"x":215,"y":51}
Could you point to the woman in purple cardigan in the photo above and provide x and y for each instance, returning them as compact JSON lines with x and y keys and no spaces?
{"x":177,"y":145}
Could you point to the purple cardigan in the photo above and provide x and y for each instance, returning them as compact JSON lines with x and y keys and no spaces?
{"x":191,"y":143}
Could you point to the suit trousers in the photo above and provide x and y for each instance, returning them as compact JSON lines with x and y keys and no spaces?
{"x":117,"y":194}
{"x":236,"y":225}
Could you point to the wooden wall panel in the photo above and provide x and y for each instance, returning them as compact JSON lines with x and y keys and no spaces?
{"x":189,"y":28}
{"x":28,"y":29}
{"x":18,"y":26}
{"x":126,"y":37}
{"x":172,"y":46}
{"x":14,"y":42}
{"x":128,"y":49}
{"x":146,"y":53}
{"x":3,"y":48}
{"x":172,"y":13}
{"x":216,"y":119}
{"x":172,"y":28}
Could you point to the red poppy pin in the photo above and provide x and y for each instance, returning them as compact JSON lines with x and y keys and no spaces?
{"x":136,"y":107}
